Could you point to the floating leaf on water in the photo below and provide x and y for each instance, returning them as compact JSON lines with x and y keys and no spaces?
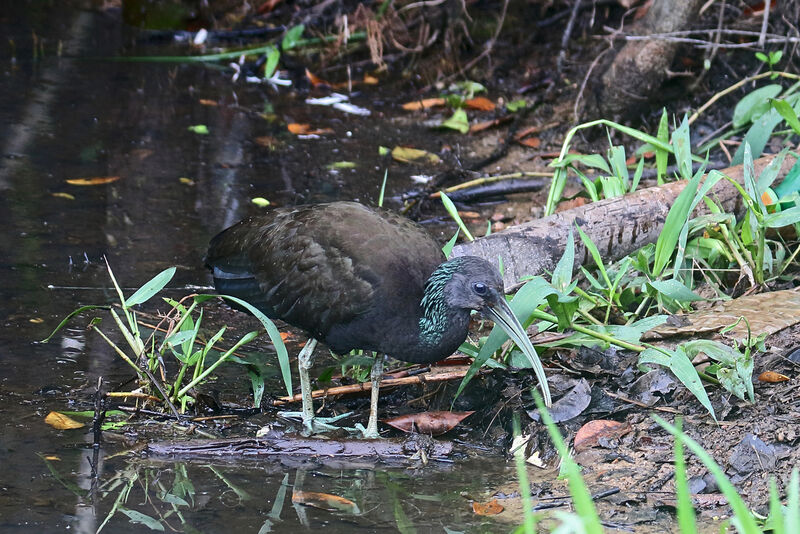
{"x":432,"y":423}
{"x":97,"y":180}
{"x":64,"y":195}
{"x":341,"y":165}
{"x":208,"y":102}
{"x":325,"y":501}
{"x":772,"y":377}
{"x":36,"y":320}
{"x":52,"y":458}
{"x":425,"y":103}
{"x":414,"y":155}
{"x":186,"y":181}
{"x":488,"y":508}
{"x":261,"y":202}
{"x":200,"y":129}
{"x":60,"y":421}
{"x":589,"y":434}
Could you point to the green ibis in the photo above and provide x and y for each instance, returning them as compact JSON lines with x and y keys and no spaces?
{"x":355,"y":277}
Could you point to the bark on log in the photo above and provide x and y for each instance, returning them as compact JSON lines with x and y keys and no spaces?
{"x":640,"y":67}
{"x":618,"y":226}
{"x":297,"y":450}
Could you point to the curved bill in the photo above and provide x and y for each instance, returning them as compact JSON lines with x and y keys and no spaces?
{"x":501,"y":314}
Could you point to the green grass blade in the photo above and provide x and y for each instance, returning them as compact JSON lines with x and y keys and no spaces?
{"x":451,"y":209}
{"x":686,"y":517}
{"x":146,"y":292}
{"x":662,"y":155}
{"x":70,"y":316}
{"x":272,"y":331}
{"x":746,"y":521}
{"x":681,"y":366}
{"x":581,"y":498}
{"x":793,"y":503}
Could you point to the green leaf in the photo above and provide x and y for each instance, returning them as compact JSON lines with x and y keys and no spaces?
{"x":673,"y":224}
{"x":562,"y":274}
{"x":292,"y":36}
{"x":758,"y":135}
{"x":272,"y":62}
{"x":200,"y":129}
{"x":590,"y":160}
{"x":782,"y":218}
{"x":686,"y":516}
{"x":788,"y":114}
{"x":681,"y":366}
{"x":139,"y":518}
{"x":754,"y":104}
{"x":458,"y":121}
{"x":662,"y":155}
{"x":675,"y":290}
{"x":146,"y":292}
{"x":681,"y":143}
{"x":453,"y":211}
{"x":70,"y":316}
{"x":448,"y":247}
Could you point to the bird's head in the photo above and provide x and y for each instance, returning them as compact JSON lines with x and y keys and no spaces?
{"x":472,"y":283}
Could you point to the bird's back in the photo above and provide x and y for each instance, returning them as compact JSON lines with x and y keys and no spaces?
{"x":341,"y":271}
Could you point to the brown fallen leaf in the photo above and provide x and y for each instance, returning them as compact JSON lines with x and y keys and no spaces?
{"x":481,"y":103}
{"x":532,"y":142}
{"x":480,"y":126}
{"x":370,"y":80}
{"x":325,"y":501}
{"x":489,"y":508}
{"x":772,"y":377}
{"x":316,"y":80}
{"x":97,"y":180}
{"x":589,"y":434}
{"x":59,"y":421}
{"x":432,"y":423}
{"x":208,"y":102}
{"x":64,"y":195}
{"x":267,"y":141}
{"x":425,"y":103}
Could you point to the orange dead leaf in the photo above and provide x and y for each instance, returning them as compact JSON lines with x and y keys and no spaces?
{"x":772,"y":377}
{"x":267,"y":6}
{"x":433,"y":423}
{"x":305,"y":129}
{"x":573,"y":203}
{"x":98,"y":180}
{"x":490,"y":508}
{"x":370,"y":80}
{"x":316,"y":80}
{"x":589,"y":434}
{"x":59,"y":421}
{"x":52,"y":458}
{"x":766,"y":198}
{"x":64,"y":195}
{"x":425,"y":103}
{"x":469,"y":214}
{"x":325,"y":501}
{"x":532,"y":142}
{"x":480,"y":103}
{"x":208,"y":102}
{"x":480,"y":126}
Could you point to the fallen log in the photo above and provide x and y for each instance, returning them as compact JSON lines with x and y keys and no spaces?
{"x":618,"y":226}
{"x":297,"y":450}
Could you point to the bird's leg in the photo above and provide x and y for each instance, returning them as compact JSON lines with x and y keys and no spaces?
{"x":371,"y":432}
{"x":311,"y":424}
{"x":303,"y":365}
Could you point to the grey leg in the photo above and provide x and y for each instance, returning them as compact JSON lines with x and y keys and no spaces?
{"x":371,"y":431}
{"x":304,"y":364}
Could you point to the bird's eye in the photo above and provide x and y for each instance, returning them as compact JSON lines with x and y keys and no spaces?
{"x":479,"y":288}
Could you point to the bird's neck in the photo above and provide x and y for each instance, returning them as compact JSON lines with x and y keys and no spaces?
{"x":442,"y":328}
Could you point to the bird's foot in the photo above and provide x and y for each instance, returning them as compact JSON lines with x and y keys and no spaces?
{"x":367,"y":432}
{"x":316,"y":425}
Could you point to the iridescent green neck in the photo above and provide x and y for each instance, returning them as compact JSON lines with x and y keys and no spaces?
{"x":436,"y":315}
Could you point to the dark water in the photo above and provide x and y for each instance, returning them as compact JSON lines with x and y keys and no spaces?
{"x":80,"y":116}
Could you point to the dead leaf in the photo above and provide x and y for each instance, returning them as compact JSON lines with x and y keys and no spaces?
{"x":207,"y":102}
{"x":532,"y":142}
{"x":305,"y":129}
{"x":425,"y":103}
{"x":480,"y":126}
{"x":490,"y":508}
{"x":772,"y":377}
{"x":98,"y":180}
{"x":36,"y":320}
{"x":59,"y":421}
{"x":316,"y":80}
{"x":52,"y":458}
{"x":413,"y":155}
{"x":370,"y":80}
{"x":480,"y":103}
{"x":589,"y":434}
{"x":64,"y":195}
{"x":432,"y":423}
{"x":325,"y":501}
